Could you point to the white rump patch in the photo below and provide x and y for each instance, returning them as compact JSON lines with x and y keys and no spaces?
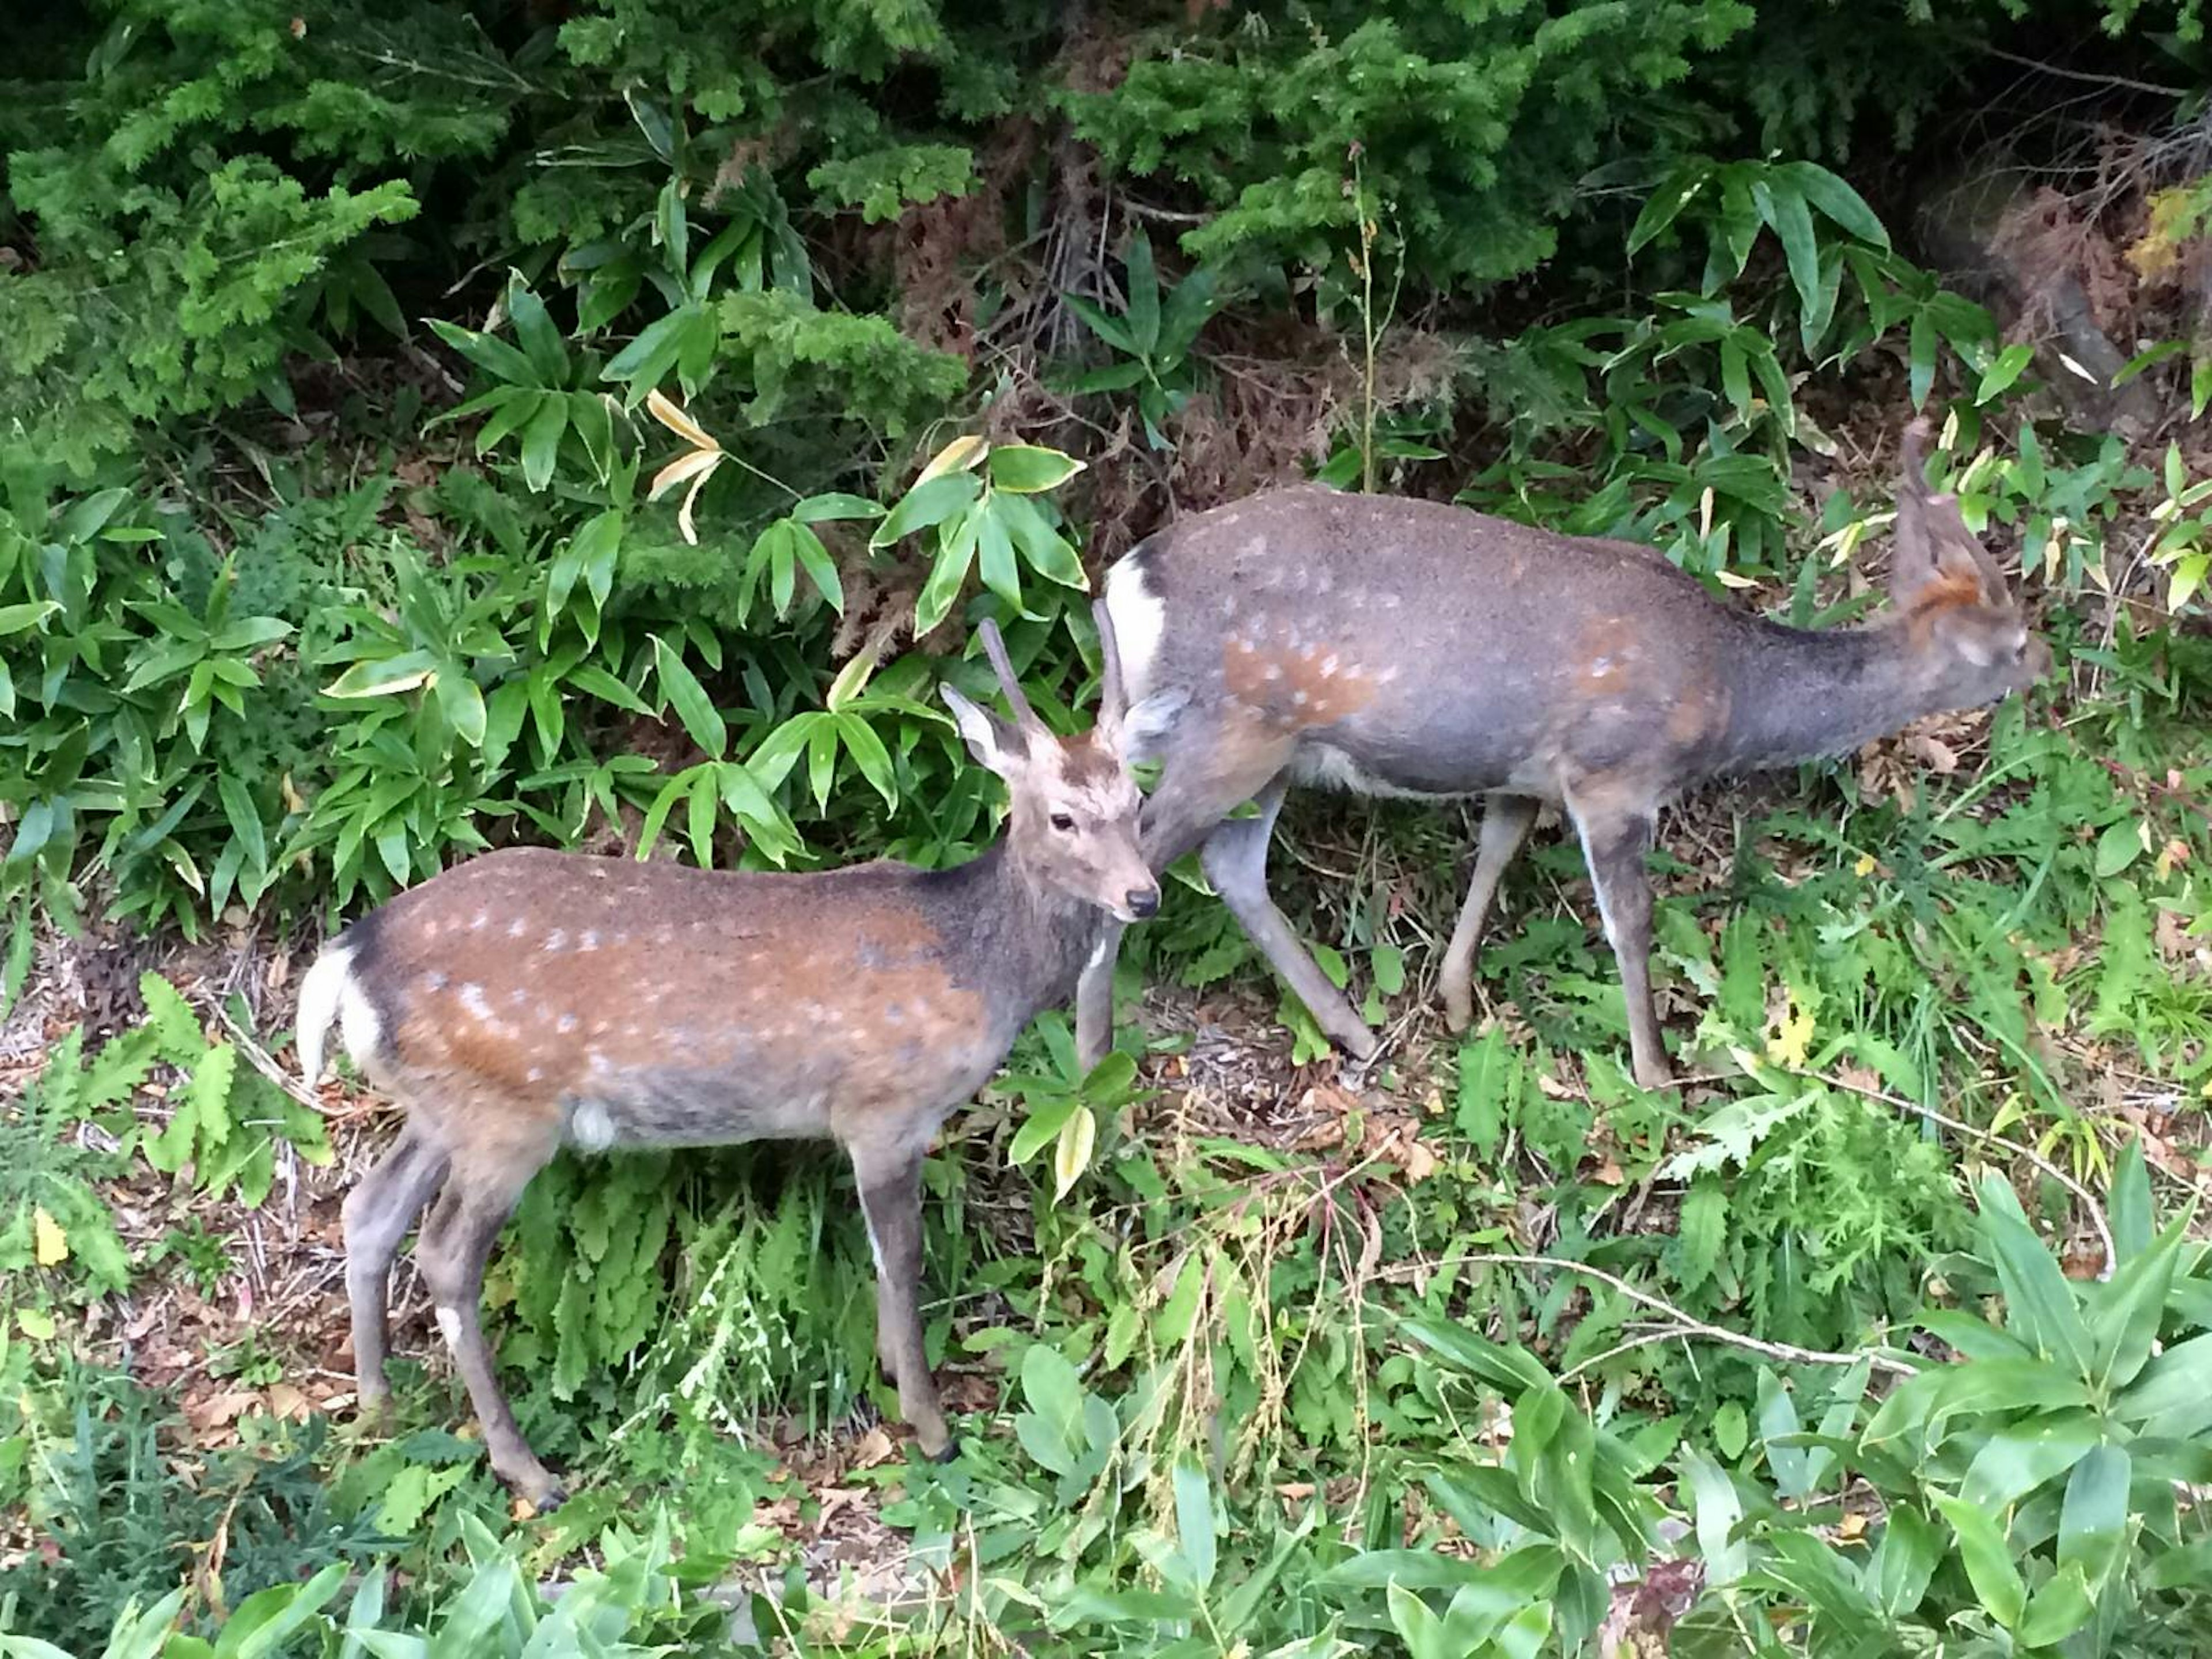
{"x":449,"y":1327}
{"x":1140,"y":622}
{"x":592,"y":1126}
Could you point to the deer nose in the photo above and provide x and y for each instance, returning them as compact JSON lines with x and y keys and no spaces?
{"x":1142,"y":901}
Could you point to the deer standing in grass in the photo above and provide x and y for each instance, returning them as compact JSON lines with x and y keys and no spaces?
{"x":528,"y":999}
{"x":1402,"y":648}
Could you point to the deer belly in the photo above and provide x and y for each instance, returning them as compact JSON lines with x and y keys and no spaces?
{"x":680,"y":1106}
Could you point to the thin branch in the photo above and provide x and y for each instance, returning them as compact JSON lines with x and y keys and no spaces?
{"x":1689,"y":1324}
{"x":2089,"y":75}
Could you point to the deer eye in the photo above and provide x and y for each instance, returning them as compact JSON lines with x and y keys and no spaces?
{"x":1063,"y":822}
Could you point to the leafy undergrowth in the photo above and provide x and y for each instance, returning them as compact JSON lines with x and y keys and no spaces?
{"x":1488,"y":1351}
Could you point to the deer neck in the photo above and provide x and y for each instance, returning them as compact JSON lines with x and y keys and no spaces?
{"x":1023,"y":932}
{"x":1807,"y":693}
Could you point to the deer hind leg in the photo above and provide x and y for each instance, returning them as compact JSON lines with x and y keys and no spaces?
{"x":378,"y":1212}
{"x":890,"y":1198}
{"x":1236,"y":861}
{"x":1616,"y":836}
{"x":1506,"y":820}
{"x":456,"y":1244}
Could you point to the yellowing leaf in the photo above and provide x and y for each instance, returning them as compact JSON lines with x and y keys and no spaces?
{"x":1071,"y":1157}
{"x":1865,"y":865}
{"x":1729,"y":579}
{"x":663,"y":409}
{"x":960,"y":455}
{"x":50,"y":1243}
{"x":1790,"y":1036}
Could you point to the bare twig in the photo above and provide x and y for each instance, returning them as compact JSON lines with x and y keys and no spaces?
{"x":2091,"y":76}
{"x":1687,"y":1324}
{"x":259,"y":1059}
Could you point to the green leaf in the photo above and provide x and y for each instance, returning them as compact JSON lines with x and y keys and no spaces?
{"x":1026,"y":469}
{"x":1194,"y":1507}
{"x":2059,"y":1608}
{"x":1988,"y":1560}
{"x":1144,"y":312}
{"x":1718,"y":1511}
{"x":384,"y":676}
{"x":1700,"y":1228}
{"x":1665,"y":204}
{"x":1106,"y":329}
{"x":541,"y":340}
{"x":693,"y":707}
{"x":2002,"y":373}
{"x":1731,"y":1434}
{"x":541,"y":441}
{"x":956,"y":555}
{"x":2118,"y":848}
{"x":1783,"y":208}
{"x":2125,"y":1314}
{"x":2038,"y":1301}
{"x":1905,"y":1560}
{"x":1837,"y":200}
{"x":1049,"y":554}
{"x":462,"y":702}
{"x":15,"y":618}
{"x":2179,"y":1379}
{"x":928,"y":504}
{"x":2014,"y":1461}
{"x":492,"y":355}
{"x":2093,"y":1522}
{"x":821,"y":569}
{"x":815,"y":509}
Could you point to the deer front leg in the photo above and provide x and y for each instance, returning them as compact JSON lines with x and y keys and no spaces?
{"x":890,"y":1198}
{"x":1094,"y":998}
{"x":1506,"y":820}
{"x":378,"y":1212}
{"x":1616,"y":837}
{"x":1236,"y":861}
{"x":455,"y":1245}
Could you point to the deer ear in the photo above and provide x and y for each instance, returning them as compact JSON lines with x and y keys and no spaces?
{"x":992,"y":741}
{"x":1144,"y":726}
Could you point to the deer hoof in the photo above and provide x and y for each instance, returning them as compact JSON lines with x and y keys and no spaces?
{"x":948,"y":1452}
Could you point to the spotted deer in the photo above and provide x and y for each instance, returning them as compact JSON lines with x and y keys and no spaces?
{"x":1402,"y":648}
{"x":529,"y":1000}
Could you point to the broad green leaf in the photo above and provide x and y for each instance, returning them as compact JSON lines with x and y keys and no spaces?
{"x":1194,"y":1507}
{"x":2118,"y":848}
{"x":1026,"y":469}
{"x":1905,"y":1560}
{"x":1988,"y":1560}
{"x":2126,"y":1313}
{"x":2002,"y":374}
{"x":1665,"y":204}
{"x":489,"y":353}
{"x":2014,"y":1461}
{"x":2131,"y":1214}
{"x":956,"y":555}
{"x":928,"y":503}
{"x":2039,"y":1304}
{"x":541,"y":441}
{"x":1144,"y":312}
{"x":815,"y":509}
{"x":1837,"y":200}
{"x":2061,"y":1607}
{"x":1783,"y":208}
{"x":693,"y":707}
{"x":2178,"y":1380}
{"x":1048,"y":554}
{"x":821,"y":569}
{"x":1107,"y":329}
{"x":384,"y":676}
{"x":541,"y":340}
{"x":1718,"y":1511}
{"x":2093,"y":1523}
{"x":462,"y":700}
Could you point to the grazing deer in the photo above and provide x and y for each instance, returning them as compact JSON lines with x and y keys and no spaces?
{"x":1402,"y":648}
{"x":529,"y":998}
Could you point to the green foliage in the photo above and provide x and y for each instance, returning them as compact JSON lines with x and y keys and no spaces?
{"x":126,"y":1521}
{"x":1263,"y":123}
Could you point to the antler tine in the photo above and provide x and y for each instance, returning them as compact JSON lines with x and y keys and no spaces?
{"x":1112,"y":695}
{"x":995,"y":646}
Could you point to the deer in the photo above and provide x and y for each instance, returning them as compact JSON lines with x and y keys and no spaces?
{"x":1398,"y":647}
{"x":528,"y":999}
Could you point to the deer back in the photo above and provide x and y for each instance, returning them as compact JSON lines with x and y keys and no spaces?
{"x":1406,"y":646}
